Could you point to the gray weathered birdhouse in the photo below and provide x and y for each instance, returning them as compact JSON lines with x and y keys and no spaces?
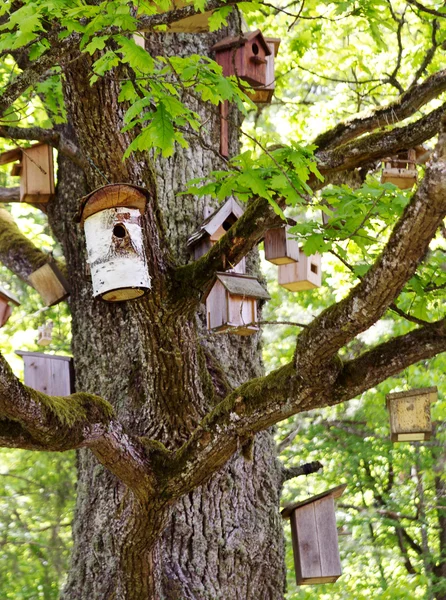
{"x":264,"y":94}
{"x":401,"y":170}
{"x":410,"y":414}
{"x":50,"y":282}
{"x":231,"y":303}
{"x":7,"y":301}
{"x":47,"y":373}
{"x":280,"y":248}
{"x":112,"y":217}
{"x":315,"y":537}
{"x":303,"y":275}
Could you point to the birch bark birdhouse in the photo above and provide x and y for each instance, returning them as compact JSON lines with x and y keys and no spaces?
{"x":264,"y":94}
{"x":45,"y":334}
{"x":51,"y":284}
{"x":410,"y":414}
{"x":231,"y":304}
{"x":47,"y":373}
{"x":213,"y":228}
{"x":303,"y":275}
{"x":401,"y":170}
{"x":315,"y":537}
{"x":112,"y":217}
{"x":280,"y":248}
{"x":7,"y":302}
{"x":35,"y":167}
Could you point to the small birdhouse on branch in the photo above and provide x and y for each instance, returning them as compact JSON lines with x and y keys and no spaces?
{"x":50,"y":282}
{"x":315,"y":537}
{"x":111,"y":217}
{"x":7,"y":302}
{"x":401,"y":170}
{"x":280,"y":248}
{"x":264,"y":94}
{"x":34,"y":166}
{"x":231,"y":303}
{"x":410,"y":414}
{"x":303,"y":275}
{"x":45,"y":334}
{"x":47,"y":373}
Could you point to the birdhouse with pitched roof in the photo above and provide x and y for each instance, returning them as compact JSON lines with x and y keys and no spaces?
{"x":401,"y":170}
{"x":264,"y":94}
{"x":280,"y":248}
{"x":48,"y":373}
{"x":410,"y":414}
{"x":7,"y":302}
{"x":303,"y":275}
{"x":315,"y":537}
{"x":35,"y":167}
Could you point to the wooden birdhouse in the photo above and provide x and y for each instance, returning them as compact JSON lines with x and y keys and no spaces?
{"x":47,"y":373}
{"x":303,"y":275}
{"x":35,"y":167}
{"x":231,"y":304}
{"x":264,"y":94}
{"x":50,"y":282}
{"x":45,"y":334}
{"x":315,"y":537}
{"x":213,"y":228}
{"x":112,"y":217}
{"x":280,"y":248}
{"x":410,"y":414}
{"x":7,"y":301}
{"x":401,"y":170}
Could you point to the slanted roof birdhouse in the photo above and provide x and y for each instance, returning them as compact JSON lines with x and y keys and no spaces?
{"x":315,"y":537}
{"x":231,"y":303}
{"x":50,"y":282}
{"x":213,"y":228}
{"x":245,"y":56}
{"x":45,"y":334}
{"x":401,"y":170}
{"x":111,"y":216}
{"x":35,"y":167}
{"x":280,"y":248}
{"x":303,"y":275}
{"x":7,"y":301}
{"x":264,"y":94}
{"x":47,"y":373}
{"x":410,"y":414}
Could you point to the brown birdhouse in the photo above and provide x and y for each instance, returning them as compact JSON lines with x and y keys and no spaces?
{"x":213,"y":228}
{"x":51,"y":284}
{"x":35,"y":167}
{"x":7,"y":301}
{"x":303,"y":275}
{"x":47,"y":373}
{"x":45,"y":334}
{"x":410,"y":414}
{"x":264,"y":94}
{"x":315,"y":537}
{"x":111,"y":217}
{"x":231,"y":303}
{"x":280,"y":248}
{"x":401,"y":170}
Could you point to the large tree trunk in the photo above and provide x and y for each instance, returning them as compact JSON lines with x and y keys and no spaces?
{"x":161,"y":371}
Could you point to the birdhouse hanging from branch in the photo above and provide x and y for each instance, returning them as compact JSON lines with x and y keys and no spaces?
{"x":7,"y":302}
{"x":280,"y":248}
{"x":401,"y":170}
{"x":410,"y":414}
{"x":305,"y":274}
{"x":47,"y":373}
{"x":315,"y":537}
{"x":111,"y":217}
{"x":45,"y":334}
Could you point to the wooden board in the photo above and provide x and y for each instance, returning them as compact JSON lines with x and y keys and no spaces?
{"x":305,"y":543}
{"x":50,"y":284}
{"x":37,"y":177}
{"x":52,"y":375}
{"x":327,"y":533}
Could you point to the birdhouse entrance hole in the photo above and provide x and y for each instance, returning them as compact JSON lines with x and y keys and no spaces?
{"x":119,"y":231}
{"x":314,"y":268}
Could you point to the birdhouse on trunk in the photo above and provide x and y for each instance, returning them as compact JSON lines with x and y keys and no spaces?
{"x":112,"y":217}
{"x":213,"y":228}
{"x":231,"y":304}
{"x":50,"y":282}
{"x":315,"y":537}
{"x":35,"y":167}
{"x":410,"y":414}
{"x":47,"y":373}
{"x":264,"y":94}
{"x":7,"y":301}
{"x":45,"y":334}
{"x":401,"y":170}
{"x":280,"y":248}
{"x":303,"y":275}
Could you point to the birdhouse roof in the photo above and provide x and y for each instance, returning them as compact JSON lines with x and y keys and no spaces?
{"x":15,"y":154}
{"x":239,"y":285}
{"x":112,"y":196}
{"x":336,"y":492}
{"x":412,"y":393}
{"x":23,"y":353}
{"x":8,"y":297}
{"x":241,"y":40}
{"x":216,"y":220}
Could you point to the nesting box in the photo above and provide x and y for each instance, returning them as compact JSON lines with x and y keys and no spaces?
{"x":410,"y":414}
{"x":35,"y":167}
{"x":47,"y":373}
{"x":231,"y":304}
{"x":213,"y":228}
{"x":303,"y":275}
{"x":401,"y":170}
{"x":112,"y":217}
{"x":280,"y":249}
{"x":264,"y":94}
{"x":51,"y":284}
{"x":45,"y":334}
{"x":315,"y":537}
{"x":7,"y":301}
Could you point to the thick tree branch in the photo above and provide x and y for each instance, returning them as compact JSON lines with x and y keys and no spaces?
{"x":305,"y":469}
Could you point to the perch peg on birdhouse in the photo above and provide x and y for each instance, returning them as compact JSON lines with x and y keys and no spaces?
{"x":47,"y":373}
{"x":315,"y":537}
{"x":35,"y":167}
{"x":280,"y":248}
{"x":111,"y":217}
{"x":401,"y":170}
{"x":264,"y":94}
{"x":7,"y":302}
{"x":231,"y":304}
{"x":45,"y":334}
{"x":410,"y":414}
{"x":303,"y":275}
{"x":50,"y":282}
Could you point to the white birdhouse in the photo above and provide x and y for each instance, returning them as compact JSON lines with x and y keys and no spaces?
{"x":111,"y":217}
{"x":45,"y":334}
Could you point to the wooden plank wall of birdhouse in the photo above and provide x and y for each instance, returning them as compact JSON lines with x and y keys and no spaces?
{"x":303,"y":275}
{"x":49,"y":374}
{"x":5,"y":311}
{"x":50,"y":283}
{"x":217,"y":306}
{"x":242,"y":310}
{"x":264,"y":94}
{"x":37,"y":177}
{"x":280,"y":249}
